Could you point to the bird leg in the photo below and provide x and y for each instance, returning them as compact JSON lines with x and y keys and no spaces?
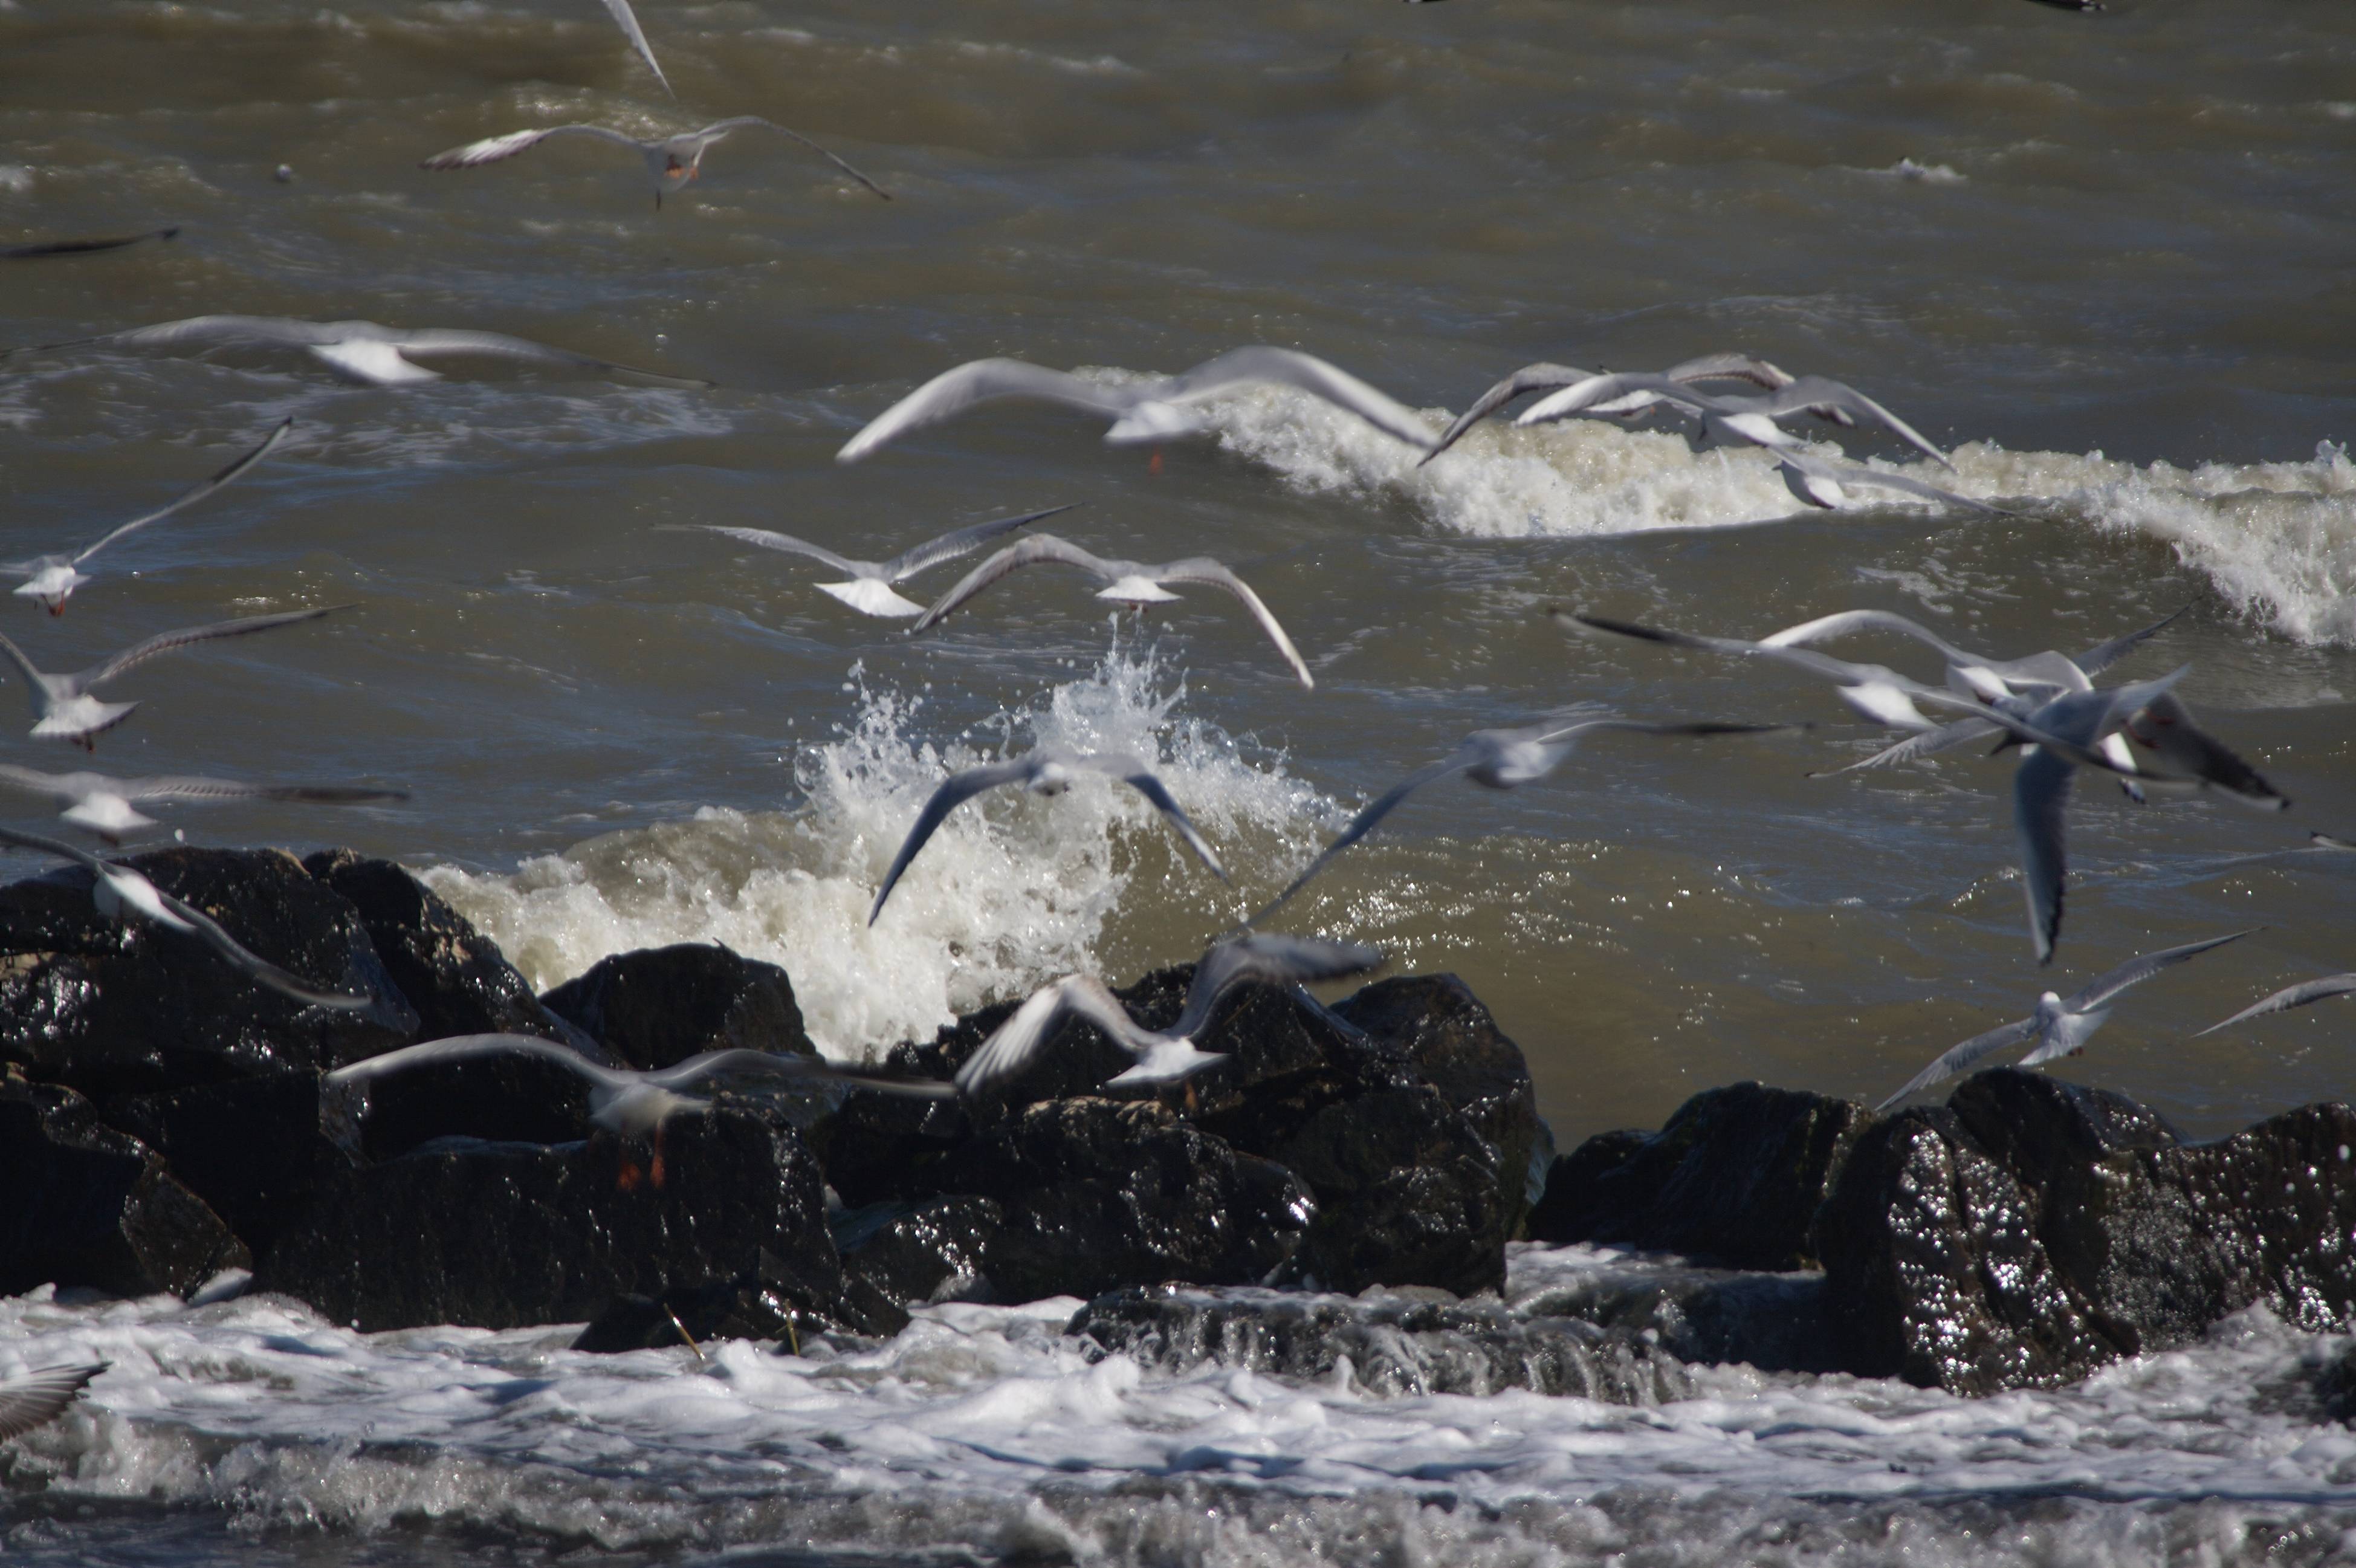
{"x":683,"y":1334}
{"x":1153,"y":466}
{"x":655,"y":1170}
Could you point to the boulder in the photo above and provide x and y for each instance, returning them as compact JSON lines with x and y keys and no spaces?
{"x":255,"y":1149}
{"x":772,"y":1303}
{"x":1735,"y":1177}
{"x":88,"y":1205}
{"x":1394,"y":1344}
{"x":499,"y":1099}
{"x":1775,"y":1322}
{"x":502,"y":1234}
{"x":658,"y":1006}
{"x":112,"y":1008}
{"x":914,"y":1254}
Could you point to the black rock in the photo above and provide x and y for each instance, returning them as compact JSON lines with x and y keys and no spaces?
{"x":1774,"y":1321}
{"x":1395,"y":1344}
{"x":254,"y":1149}
{"x":88,"y":1205}
{"x":508,"y":1098}
{"x":498,"y":1235}
{"x":455,"y":976}
{"x":113,"y":1008}
{"x":657,"y":1006}
{"x":771,"y":1304}
{"x":1736,"y":1177}
{"x":912,"y":1254}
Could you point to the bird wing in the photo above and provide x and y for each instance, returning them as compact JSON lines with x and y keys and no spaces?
{"x":165,"y":643}
{"x":955,"y":790}
{"x":2165,"y":727}
{"x":1014,"y":1048}
{"x":780,"y":1064}
{"x":1874,"y":478}
{"x":72,"y":852}
{"x":1210,"y":573}
{"x":261,"y":969}
{"x":1039,"y":549}
{"x":173,"y":786}
{"x":1914,"y":747}
{"x":2291,"y":996}
{"x":433,"y":341}
{"x":1580,"y":396}
{"x":1847,"y":622}
{"x":1307,"y":372}
{"x":1562,"y":739}
{"x":1133,"y":772}
{"x":2040,"y":797}
{"x":2137,"y":970}
{"x":1731,"y":367}
{"x":1366,"y":820}
{"x":80,"y":247}
{"x":1817,"y":393}
{"x":1840,"y":670}
{"x":32,"y":781}
{"x":1273,"y":958}
{"x":37,"y":685}
{"x":721,"y":127}
{"x":38,"y":1397}
{"x":953,"y":391}
{"x":627,"y":20}
{"x":465,"y":1047}
{"x":189,"y":496}
{"x":962,"y":541}
{"x":2102,"y":655}
{"x":1962,"y":1057}
{"x":769,"y":540}
{"x":492,"y":150}
{"x":1528,"y":379}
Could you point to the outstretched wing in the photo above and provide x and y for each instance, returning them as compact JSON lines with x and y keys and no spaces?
{"x":1290,"y":367}
{"x":1040,"y":549}
{"x":197,"y":331}
{"x":1823,"y":629}
{"x":191,"y":496}
{"x":2102,"y":655}
{"x":955,"y":790}
{"x":1964,"y":1056}
{"x":1015,"y":1047}
{"x":493,"y":150}
{"x":262,"y":970}
{"x":1732,"y":367}
{"x":1134,"y":773}
{"x":1366,"y":821}
{"x":2137,"y":970}
{"x":1210,"y":573}
{"x":1914,"y":747}
{"x":35,"y":1399}
{"x":72,"y":852}
{"x":2040,"y":800}
{"x":953,"y":391}
{"x":431,"y":341}
{"x":962,"y":541}
{"x":626,"y":19}
{"x":1874,"y":478}
{"x":1273,"y":957}
{"x":171,"y":787}
{"x":769,"y":540}
{"x":741,"y":1062}
{"x":1528,"y":379}
{"x":80,"y":247}
{"x":466,"y":1047}
{"x":165,"y":643}
{"x":721,"y":128}
{"x":1820,"y":395}
{"x":2290,"y":996}
{"x":1580,"y":396}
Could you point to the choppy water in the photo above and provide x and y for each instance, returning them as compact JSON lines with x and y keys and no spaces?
{"x":2103,"y":258}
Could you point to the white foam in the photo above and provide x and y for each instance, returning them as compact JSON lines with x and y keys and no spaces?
{"x":1013,"y":890}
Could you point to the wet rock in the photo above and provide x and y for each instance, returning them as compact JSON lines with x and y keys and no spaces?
{"x":770,"y":1304}
{"x":112,"y":1008}
{"x":254,"y":1149}
{"x":498,"y":1235}
{"x":89,"y":1204}
{"x":1395,"y":1344}
{"x":1775,"y":1321}
{"x":455,"y":976}
{"x":502,"y":1098}
{"x":913,"y":1254}
{"x":658,"y":1006}
{"x":1736,"y":1177}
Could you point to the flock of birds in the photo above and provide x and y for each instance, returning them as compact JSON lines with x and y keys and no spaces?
{"x":2045,"y":705}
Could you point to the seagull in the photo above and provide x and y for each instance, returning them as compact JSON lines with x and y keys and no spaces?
{"x":2060,"y":1027}
{"x":1163,"y":1056}
{"x":869,"y":588}
{"x":1545,"y":376}
{"x":2325,"y":841}
{"x":1150,"y":411}
{"x":122,"y":894}
{"x":1495,"y":759}
{"x":2288,"y":997}
{"x":52,"y":579}
{"x":63,"y":708}
{"x":634,"y":1104}
{"x":109,"y":807}
{"x":35,"y":1399}
{"x":79,"y":247}
{"x":1751,"y":419}
{"x":1130,"y":583}
{"x":1042,"y":772}
{"x":671,"y":161}
{"x":627,"y":20}
{"x":362,"y":350}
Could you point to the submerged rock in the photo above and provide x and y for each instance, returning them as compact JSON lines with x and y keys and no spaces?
{"x":1775,"y":1322}
{"x":658,"y":1006}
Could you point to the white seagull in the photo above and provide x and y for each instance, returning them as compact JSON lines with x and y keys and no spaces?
{"x":1495,"y":759}
{"x":1042,"y":772}
{"x":627,"y":20}
{"x":51,"y":579}
{"x":362,"y":350}
{"x":1751,"y":419}
{"x":1131,"y":583}
{"x":1549,"y":378}
{"x":109,"y":807}
{"x":2288,"y":997}
{"x":671,"y":161}
{"x":35,"y":1399}
{"x":1163,"y":1056}
{"x":63,"y":708}
{"x":122,"y":894}
{"x":871,"y":582}
{"x":1149,"y":412}
{"x":2060,"y":1028}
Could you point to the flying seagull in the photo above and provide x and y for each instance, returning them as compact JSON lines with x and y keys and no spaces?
{"x":671,"y":161}
{"x":1751,"y":419}
{"x":35,"y":1399}
{"x":1149,"y":412}
{"x":2060,"y":1027}
{"x":1547,"y":378}
{"x":362,"y":350}
{"x":1042,"y":772}
{"x":52,"y":579}
{"x":871,"y":582}
{"x":63,"y":708}
{"x":38,"y":248}
{"x":634,"y":1104}
{"x":1163,"y":1056}
{"x":109,"y":807}
{"x":122,"y":894}
{"x":2288,"y":997}
{"x":1131,"y":583}
{"x":1496,"y":759}
{"x":627,"y":20}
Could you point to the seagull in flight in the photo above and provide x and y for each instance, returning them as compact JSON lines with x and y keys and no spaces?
{"x":1130,"y":583}
{"x":109,"y":807}
{"x":35,"y":1399}
{"x":1496,"y":759}
{"x":1163,"y":1056}
{"x":634,"y":1104}
{"x":1550,"y":378}
{"x":2060,"y":1028}
{"x":871,"y":582}
{"x":51,"y":579}
{"x":1753,"y":420}
{"x":1042,"y":772}
{"x":671,"y":161}
{"x":360,"y":350}
{"x":627,"y":20}
{"x":122,"y":894}
{"x":1149,"y":412}
{"x":2288,"y":997}
{"x":63,"y":708}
